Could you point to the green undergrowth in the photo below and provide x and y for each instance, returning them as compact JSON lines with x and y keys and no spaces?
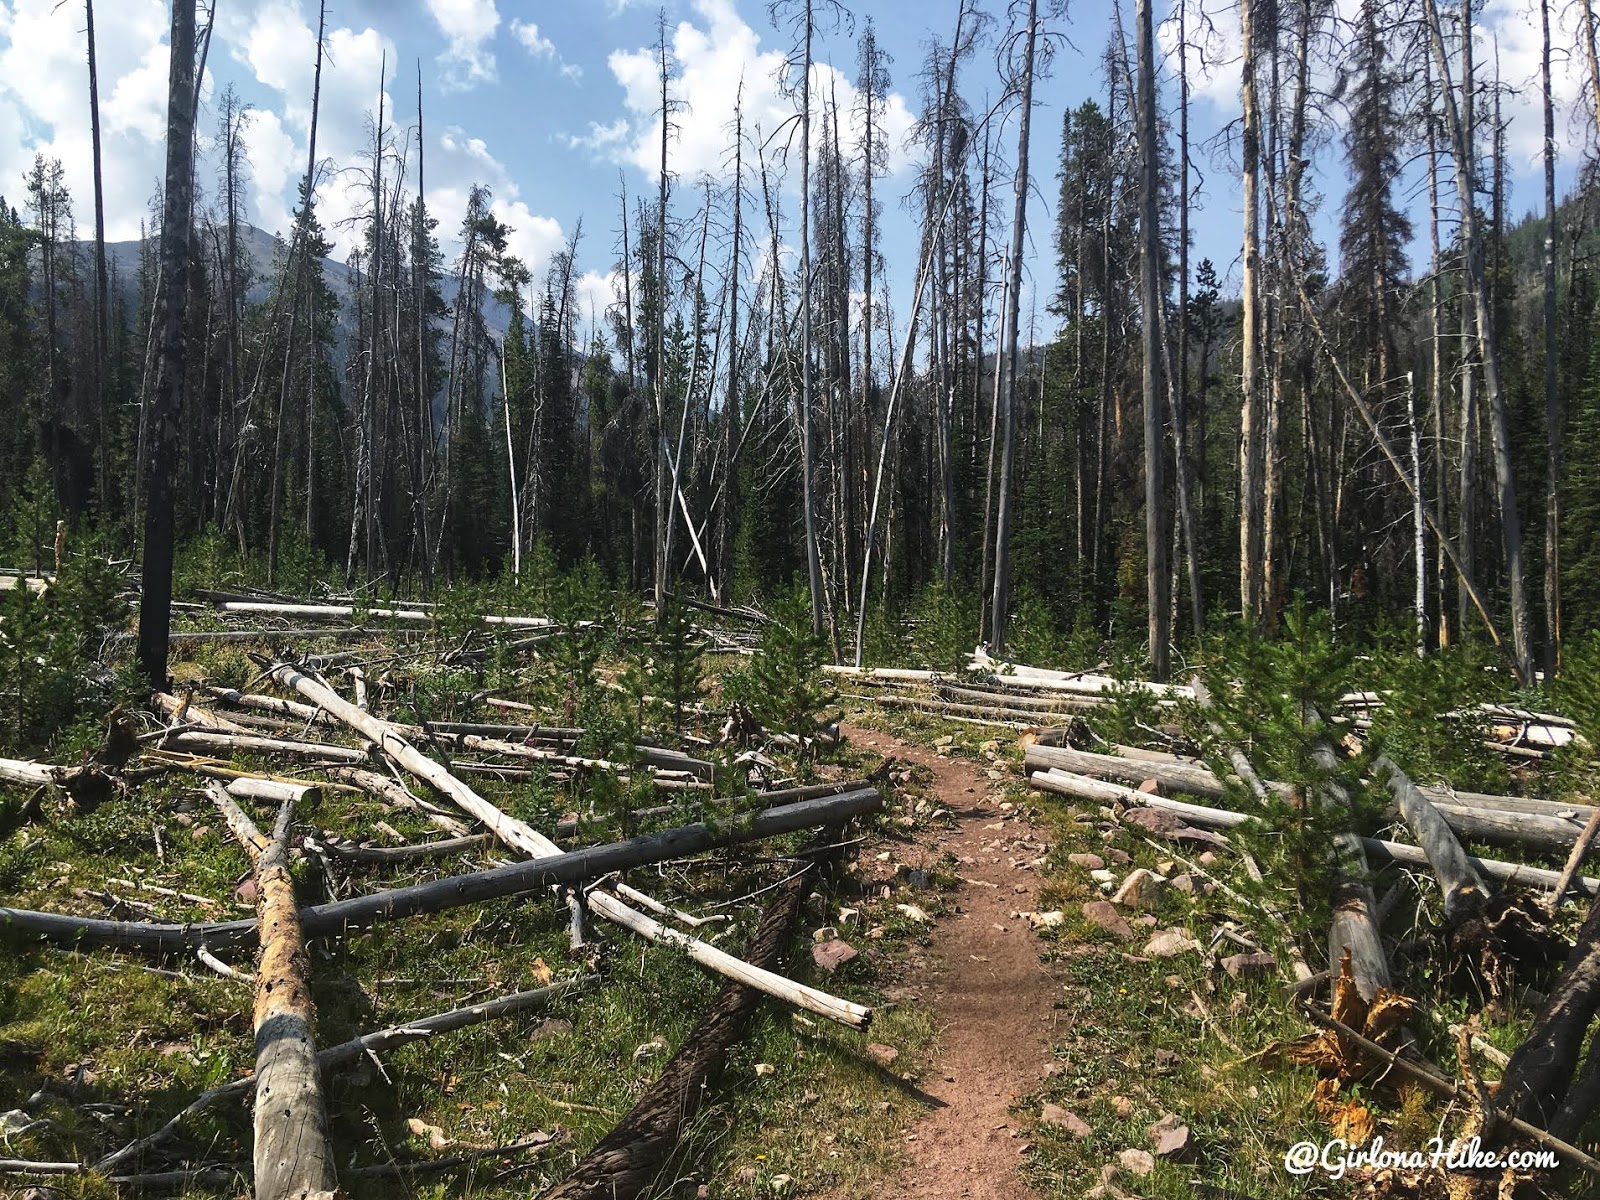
{"x":120,"y":1042}
{"x":1141,"y":1036}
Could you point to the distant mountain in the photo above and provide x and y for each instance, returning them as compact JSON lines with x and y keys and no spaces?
{"x":265,"y":251}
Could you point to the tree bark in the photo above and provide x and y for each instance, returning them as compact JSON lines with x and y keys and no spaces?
{"x":1000,"y":599}
{"x":520,"y":836}
{"x":177,"y":221}
{"x":1552,"y":393}
{"x":293,"y":1160}
{"x":627,"y":1159}
{"x":1487,"y":339}
{"x":1158,"y":580}
{"x":514,"y":879}
{"x":101,"y":295}
{"x":1536,"y":1079}
{"x":1250,"y":432}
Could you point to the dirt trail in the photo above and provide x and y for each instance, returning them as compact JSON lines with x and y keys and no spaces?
{"x":991,"y":997}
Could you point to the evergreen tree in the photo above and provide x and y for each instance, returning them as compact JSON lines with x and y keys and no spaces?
{"x":788,"y":690}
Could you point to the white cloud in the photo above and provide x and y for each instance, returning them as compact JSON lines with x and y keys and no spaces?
{"x":1509,"y":27}
{"x":709,"y":60}
{"x":594,"y":293}
{"x":44,"y":108}
{"x":275,"y":165}
{"x":527,"y":32}
{"x":139,"y":100}
{"x":540,"y":46}
{"x":462,"y":161}
{"x":279,"y":48}
{"x":469,"y":27}
{"x":1513,"y":25}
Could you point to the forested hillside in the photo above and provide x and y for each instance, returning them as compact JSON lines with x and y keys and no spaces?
{"x":741,"y":413}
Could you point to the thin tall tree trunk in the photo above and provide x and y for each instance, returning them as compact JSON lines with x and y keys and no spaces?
{"x":101,"y":302}
{"x":808,"y":493}
{"x":1001,"y":595}
{"x":1158,"y":581}
{"x":177,"y":219}
{"x":1250,"y":418}
{"x":1436,"y":309}
{"x":663,"y":464}
{"x":1552,"y":395}
{"x":730,"y":405}
{"x":426,"y":434}
{"x":1180,"y":408}
{"x":1487,"y":340}
{"x":297,"y":269}
{"x":1418,"y":518}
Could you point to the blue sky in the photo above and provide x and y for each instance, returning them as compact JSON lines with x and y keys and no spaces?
{"x":553,"y":106}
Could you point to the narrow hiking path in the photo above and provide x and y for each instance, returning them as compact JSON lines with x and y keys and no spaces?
{"x":991,"y":997}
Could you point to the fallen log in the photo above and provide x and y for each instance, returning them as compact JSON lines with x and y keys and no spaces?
{"x":185,"y":710}
{"x":1012,"y":700}
{"x":627,"y":1159}
{"x":1580,"y":850}
{"x":272,"y":704}
{"x":87,"y":785}
{"x":487,"y":739}
{"x":1536,"y":1079}
{"x":277,"y":637}
{"x":348,"y":612}
{"x":384,"y":855}
{"x":1546,"y":824}
{"x":275,"y":791}
{"x":292,"y":1159}
{"x":520,"y":836}
{"x":1083,"y":682}
{"x":1354,"y":928}
{"x":1464,"y":891}
{"x":513,"y":879}
{"x":359,"y":1047}
{"x":1556,"y":835}
{"x":936,"y":707}
{"x":235,"y":743}
{"x":1395,"y":852}
{"x":395,"y":795}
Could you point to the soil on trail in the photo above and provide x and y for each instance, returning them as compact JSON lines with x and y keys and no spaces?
{"x":991,"y":997}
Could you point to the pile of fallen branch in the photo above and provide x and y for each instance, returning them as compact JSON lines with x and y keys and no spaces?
{"x":1495,"y":924}
{"x":340,"y":745}
{"x":1010,"y":695}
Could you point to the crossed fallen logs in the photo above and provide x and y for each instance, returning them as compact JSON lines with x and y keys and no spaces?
{"x":1483,"y":928}
{"x":291,"y":1152}
{"x":292,"y":1158}
{"x":992,"y":692}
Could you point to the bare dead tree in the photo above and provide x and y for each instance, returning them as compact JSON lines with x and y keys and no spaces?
{"x":177,"y":220}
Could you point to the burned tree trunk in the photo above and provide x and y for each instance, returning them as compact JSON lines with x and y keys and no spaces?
{"x":177,"y":219}
{"x":1537,"y":1077}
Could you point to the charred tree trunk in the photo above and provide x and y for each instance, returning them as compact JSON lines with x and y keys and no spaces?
{"x":627,"y":1159}
{"x":177,"y":220}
